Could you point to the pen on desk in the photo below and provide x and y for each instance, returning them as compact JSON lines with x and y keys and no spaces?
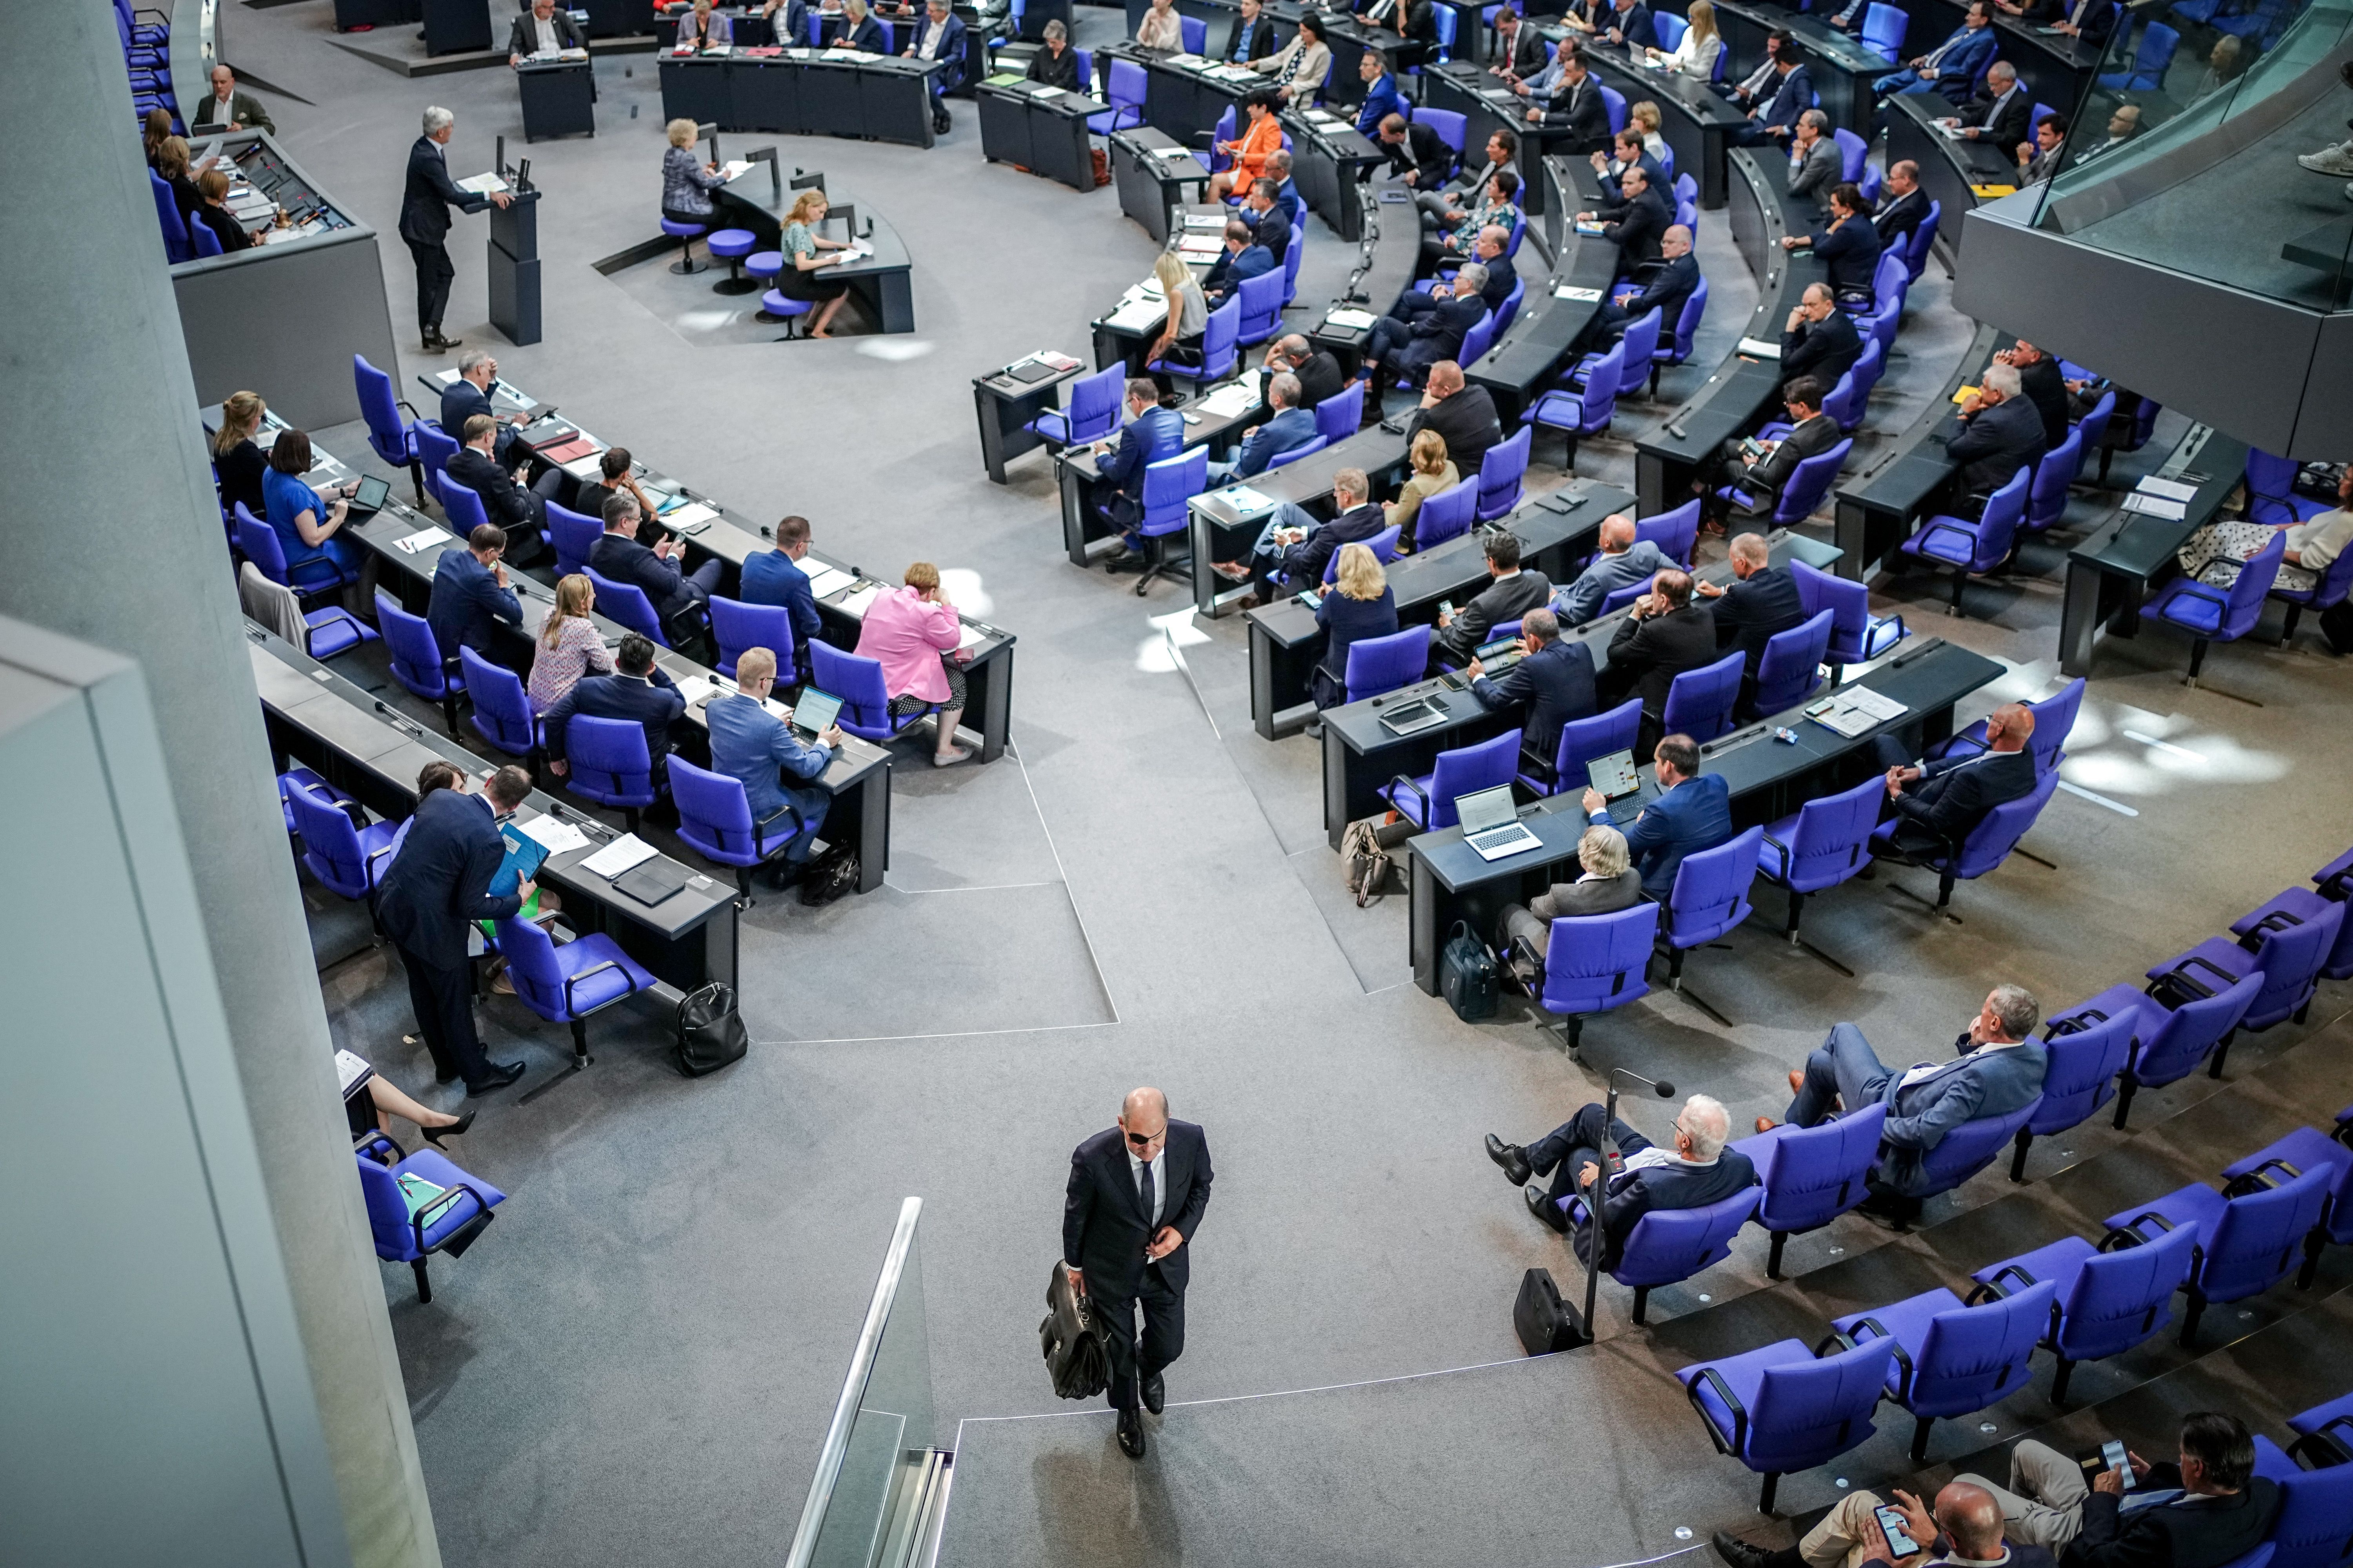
{"x":398,"y":720}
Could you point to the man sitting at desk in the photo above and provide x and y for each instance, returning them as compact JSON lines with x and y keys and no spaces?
{"x":1663,"y":635}
{"x":1626,"y":151}
{"x":1292,"y":426}
{"x":1268,"y":227}
{"x":1609,"y":883}
{"x":774,"y":577}
{"x":1382,"y":99}
{"x":638,"y":692}
{"x":478,"y":373}
{"x":1577,"y":108}
{"x":1761,"y":603}
{"x":1818,"y":340}
{"x":1670,"y":286}
{"x":522,"y":512}
{"x":1509,"y":595}
{"x":1952,"y":67}
{"x":1521,"y":50}
{"x":1151,"y":434}
{"x":1244,"y":258}
{"x":1449,"y":208}
{"x":1779,"y":100}
{"x":1463,"y":416}
{"x":1815,"y":163}
{"x":1754,"y":471}
{"x":1998,"y":114}
{"x":1623,"y":560}
{"x":1057,"y":64}
{"x":1903,"y":204}
{"x":1629,"y":24}
{"x":1415,"y":21}
{"x":1295,"y":545}
{"x":1319,"y":373}
{"x":792,"y":30}
{"x":1763,"y":83}
{"x":1936,"y":805}
{"x":541,"y":30}
{"x":1692,"y":812}
{"x":940,"y":36}
{"x":750,"y":744}
{"x":1418,"y":154}
{"x":471,"y":596}
{"x":2039,"y":160}
{"x":617,"y":555}
{"x":1638,"y":233}
{"x":1553,"y":682}
{"x":226,"y":109}
{"x":1407,"y":348}
{"x":1252,"y":37}
{"x":2001,"y":433}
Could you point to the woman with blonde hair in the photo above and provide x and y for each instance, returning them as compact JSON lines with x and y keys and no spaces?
{"x":1188,"y":312}
{"x":237,"y":462}
{"x":860,"y":31}
{"x":569,"y":646}
{"x":1644,"y":118}
{"x":172,"y":163}
{"x":805,"y":253}
{"x":912,"y":632}
{"x":1697,"y":56}
{"x":1433,"y":471}
{"x":688,"y":180}
{"x":1360,"y":603}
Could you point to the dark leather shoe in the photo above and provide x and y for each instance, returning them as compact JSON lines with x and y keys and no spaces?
{"x":1131,"y":1434}
{"x":1511,"y":1157}
{"x":497,"y":1078}
{"x":445,"y":1078}
{"x":1155,"y":1393}
{"x":1739,"y":1553}
{"x":1545,"y":1209}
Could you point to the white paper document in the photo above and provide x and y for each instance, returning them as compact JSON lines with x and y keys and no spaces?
{"x":687,"y":516}
{"x":424,"y":540}
{"x":2156,"y":506}
{"x":969,"y":637}
{"x":1355,"y":320}
{"x":1760,"y":348}
{"x":856,"y":603}
{"x":696,"y":689}
{"x":483,"y":184}
{"x":1045,"y":94}
{"x":350,"y":1070}
{"x":828,"y":580}
{"x":555,"y":834}
{"x":618,"y":856}
{"x":1582,"y":296}
{"x":2171,"y":490}
{"x":1857,"y":708}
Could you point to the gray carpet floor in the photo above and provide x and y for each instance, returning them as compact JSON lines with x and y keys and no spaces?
{"x":638,"y":1361}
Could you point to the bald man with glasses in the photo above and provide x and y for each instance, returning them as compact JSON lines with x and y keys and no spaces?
{"x":1137,"y":1193}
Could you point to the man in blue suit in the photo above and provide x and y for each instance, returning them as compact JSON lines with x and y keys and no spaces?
{"x":469,"y":393}
{"x":1629,"y":24}
{"x":774,"y":577}
{"x":1151,"y":434}
{"x":1381,"y":95}
{"x":1999,"y":1067}
{"x":1244,"y":258}
{"x":1953,"y":67}
{"x":752,"y":744}
{"x":1552,"y":682}
{"x":1692,"y":1172}
{"x":639,"y":690}
{"x":1692,"y":812}
{"x":1286,"y":189}
{"x":1290,"y":426}
{"x":940,"y":36}
{"x":471,"y":596}
{"x":1780,"y":102}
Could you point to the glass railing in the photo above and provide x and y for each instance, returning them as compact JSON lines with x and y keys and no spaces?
{"x":874,"y":1502}
{"x":2183,"y":153}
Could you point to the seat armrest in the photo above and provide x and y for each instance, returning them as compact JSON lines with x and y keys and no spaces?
{"x":593,"y":969}
{"x":1402,"y":782}
{"x":760,"y":826}
{"x":1991,"y":1290}
{"x":2323,"y":1449}
{"x":417,"y":1221}
{"x":2073,"y":1026}
{"x":1740,"y":1413}
{"x":1895,"y":1347}
{"x":2255,"y":1180}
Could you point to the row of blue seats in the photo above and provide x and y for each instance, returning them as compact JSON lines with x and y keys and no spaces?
{"x":1785,"y":1406}
{"x":146,"y":36}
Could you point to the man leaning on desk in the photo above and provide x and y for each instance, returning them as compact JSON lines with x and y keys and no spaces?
{"x":543,"y":30}
{"x":754,"y":746}
{"x":478,"y":373}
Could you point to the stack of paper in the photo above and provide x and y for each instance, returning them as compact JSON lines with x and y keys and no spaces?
{"x":483,"y":184}
{"x":969,"y":637}
{"x":1350,"y":319}
{"x":697,"y":690}
{"x":1208,"y":221}
{"x":1760,"y":348}
{"x":426,"y":540}
{"x":2156,"y":506}
{"x":1137,"y":315}
{"x":618,"y":856}
{"x":1233,"y":398}
{"x":828,"y":580}
{"x":350,"y":1070}
{"x":687,"y":518}
{"x":1582,"y":296}
{"x":555,"y":834}
{"x":1245,"y":500}
{"x":1044,"y":93}
{"x":1857,"y":708}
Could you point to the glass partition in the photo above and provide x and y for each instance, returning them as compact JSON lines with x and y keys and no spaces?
{"x":2184,"y":150}
{"x":879,"y":1481}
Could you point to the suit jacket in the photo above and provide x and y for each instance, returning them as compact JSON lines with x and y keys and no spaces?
{"x":1155,"y":434}
{"x":1953,"y":795}
{"x":773,"y":577}
{"x":506,"y":503}
{"x":1613,"y":184}
{"x":1631,"y":1194}
{"x":2006,"y":126}
{"x":1604,"y":576}
{"x":722,"y":30}
{"x":1289,"y":427}
{"x":430,"y":193}
{"x":2097,"y":18}
{"x":1104,"y":1224}
{"x":1638,"y":234}
{"x":1425,"y":152}
{"x":1849,"y":254}
{"x":1814,"y":172}
{"x":1261,"y":38}
{"x":524,"y":38}
{"x":759,"y":750}
{"x":1580,"y":109}
{"x":1791,"y":98}
{"x":1964,"y":58}
{"x":1500,"y":603}
{"x":1812,"y":439}
{"x":1901,"y":216}
{"x":1634,"y":27}
{"x":1670,"y":286}
{"x":1695,"y":814}
{"x":617,"y":696}
{"x":1554,"y":685}
{"x":1755,"y":611}
{"x":1055,"y":70}
{"x":2046,"y":387}
{"x":624,"y":560}
{"x":1381,"y":99}
{"x":1646,"y":655}
{"x":440,"y":880}
{"x":1236,"y":268}
{"x":1825,"y":350}
{"x":460,"y":401}
{"x":1438,"y":333}
{"x":868,"y":38}
{"x":951,"y":52}
{"x":1304,"y":562}
{"x":244,"y":110}
{"x":1530,"y":52}
{"x":1466,"y":420}
{"x":1997,"y":442}
{"x":1981,"y":1084}
{"x":1319,"y":378}
{"x":468,"y":605}
{"x":1500,"y":277}
{"x":1588,"y":896}
{"x":1272,"y":233}
{"x":2188,"y":1532}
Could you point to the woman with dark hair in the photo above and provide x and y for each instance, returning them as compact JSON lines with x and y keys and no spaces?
{"x":1848,"y":248}
{"x":293,"y":509}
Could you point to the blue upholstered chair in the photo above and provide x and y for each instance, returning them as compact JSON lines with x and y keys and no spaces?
{"x":1378,"y":665}
{"x":1577,"y":415}
{"x":1451,"y":512}
{"x":2104,"y":1301}
{"x":2315,"y":1523}
{"x":1293,"y":254}
{"x":2211,"y":614}
{"x":610,"y":765}
{"x":573,"y":536}
{"x":2085,"y":1055}
{"x":1428,"y":802}
{"x":1959,"y":545}
{"x":434,"y":447}
{"x":1260,"y":298}
{"x":447,"y":1222}
{"x":1500,"y":472}
{"x":1676,"y":349}
{"x":2329,"y":592}
{"x":1304,"y":449}
{"x":1710,"y":897}
{"x":2169,"y":1041}
{"x":1810,"y":1175}
{"x":1510,"y":309}
{"x":1093,"y":415}
{"x":570,"y":983}
{"x":715,"y":820}
{"x":1825,"y":843}
{"x":865,"y":696}
{"x":2246,"y":1244}
{"x":2271,"y":492}
{"x":1338,"y":416}
{"x":1965,"y":1151}
{"x":2285,"y":950}
{"x":1674,"y":532}
{"x":502,"y":707}
{"x":1382,"y":545}
{"x":462,"y":508}
{"x":1700,"y":701}
{"x":316,"y":578}
{"x":1806,"y":487}
{"x":2330,"y":1422}
{"x":1667,"y":1246}
{"x":1854,"y":154}
{"x":1987,"y":844}
{"x":1196,"y":32}
{"x":626,"y":605}
{"x":1951,"y":1359}
{"x":2150,"y":57}
{"x":1856,"y":634}
{"x":2054,"y":721}
{"x":1791,"y":671}
{"x":302,"y":780}
{"x":1594,"y":963}
{"x":2330,"y":884}
{"x":2046,"y":502}
{"x":2303,"y":1149}
{"x":1218,"y":338}
{"x":1582,"y":740}
{"x":1924,"y":241}
{"x":391,"y":438}
{"x":737,"y":626}
{"x":1782,"y":1408}
{"x":1447,"y":123}
{"x":1884,"y":28}
{"x":347,"y":861}
{"x":1124,"y":93}
{"x":418,"y":662}
{"x":326,"y":632}
{"x":1169,"y":487}
{"x":1477,"y":341}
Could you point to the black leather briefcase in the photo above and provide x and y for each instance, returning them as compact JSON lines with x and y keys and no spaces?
{"x":1545,"y":1322}
{"x":1075,"y":1343}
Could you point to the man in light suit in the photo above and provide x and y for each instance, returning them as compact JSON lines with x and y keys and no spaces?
{"x":1936,"y":805}
{"x":1998,"y":1069}
{"x":1623,"y":562}
{"x":1692,"y":812}
{"x":1953,"y":67}
{"x":1692,"y":1172}
{"x":1609,"y":883}
{"x":1137,"y":1195}
{"x":425,"y":206}
{"x":1290,"y":426}
{"x":543,"y":29}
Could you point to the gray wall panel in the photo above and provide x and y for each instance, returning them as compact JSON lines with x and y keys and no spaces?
{"x":285,"y":321}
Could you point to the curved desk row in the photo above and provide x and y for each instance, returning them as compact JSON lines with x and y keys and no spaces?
{"x":1345,"y":38}
{"x":1877,"y":510}
{"x":1361,"y":753}
{"x":1698,"y":125}
{"x":1556,"y":533}
{"x":2111,"y":572}
{"x":1519,"y":369}
{"x":1841,"y":65}
{"x":808,"y":93}
{"x":1488,"y":106}
{"x":1040,"y":127}
{"x":1449,"y":882}
{"x":2053,"y":67}
{"x":1950,"y":171}
{"x":1746,"y":390}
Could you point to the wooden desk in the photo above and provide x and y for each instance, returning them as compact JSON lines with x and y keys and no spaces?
{"x":1521,"y":367}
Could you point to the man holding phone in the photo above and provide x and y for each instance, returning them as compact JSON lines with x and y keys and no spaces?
{"x":2205,"y":1509}
{"x":1965,"y":1530}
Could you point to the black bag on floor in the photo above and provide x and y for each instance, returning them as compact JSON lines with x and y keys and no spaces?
{"x":835,"y":873}
{"x":1075,"y":1343}
{"x":2337,"y":625}
{"x":710,"y":1032}
{"x":1543,"y":1324}
{"x":1466,"y":975}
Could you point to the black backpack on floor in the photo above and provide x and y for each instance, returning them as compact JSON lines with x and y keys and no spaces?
{"x":710,"y":1032}
{"x":1545,"y":1324}
{"x":1466,"y":975}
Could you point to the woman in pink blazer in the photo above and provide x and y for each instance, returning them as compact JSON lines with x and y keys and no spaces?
{"x":913,"y":633}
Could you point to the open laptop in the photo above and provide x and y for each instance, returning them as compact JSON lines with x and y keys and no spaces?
{"x":1412,"y":717}
{"x":1490,"y":824}
{"x":1614,"y":778}
{"x":370,"y":497}
{"x":813,"y":712}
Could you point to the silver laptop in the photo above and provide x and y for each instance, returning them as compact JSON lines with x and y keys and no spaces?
{"x":1615,"y":777}
{"x":1490,"y":824}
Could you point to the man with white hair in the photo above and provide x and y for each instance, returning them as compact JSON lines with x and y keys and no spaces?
{"x":1695,"y":1172}
{"x":425,"y":224}
{"x":2001,"y":432}
{"x":2000,"y":114}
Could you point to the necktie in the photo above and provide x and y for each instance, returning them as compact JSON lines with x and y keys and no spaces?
{"x":1144,"y":1186}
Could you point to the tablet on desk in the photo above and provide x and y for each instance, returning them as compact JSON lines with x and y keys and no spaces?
{"x":370,"y":498}
{"x":814,"y":714}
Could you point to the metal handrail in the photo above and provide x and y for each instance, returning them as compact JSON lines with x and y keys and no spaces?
{"x":853,"y":1387}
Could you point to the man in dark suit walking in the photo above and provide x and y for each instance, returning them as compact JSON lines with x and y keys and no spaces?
{"x":425,"y":224}
{"x":436,"y":886}
{"x":1937,"y":804}
{"x":1691,"y":1172}
{"x":1136,"y":1195}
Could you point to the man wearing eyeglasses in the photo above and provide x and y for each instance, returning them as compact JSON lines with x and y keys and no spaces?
{"x":1136,"y":1195}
